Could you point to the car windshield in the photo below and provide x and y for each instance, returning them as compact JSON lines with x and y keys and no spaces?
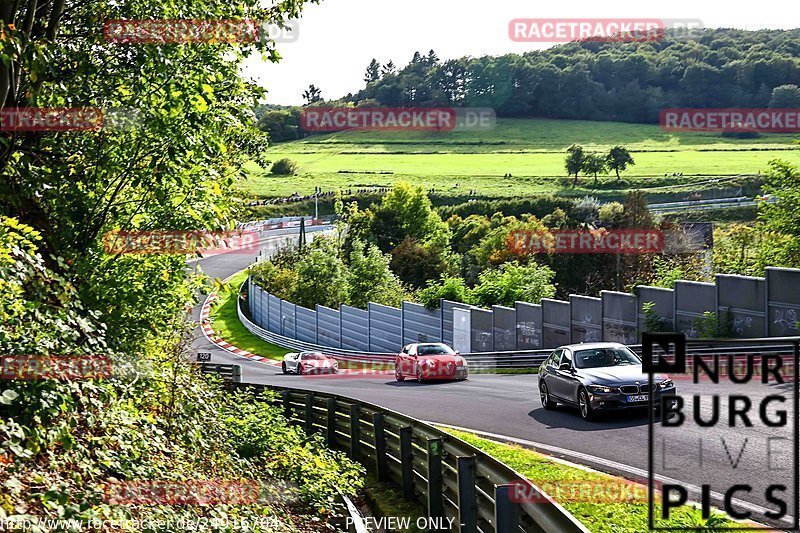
{"x":435,"y":349}
{"x":314,"y":356}
{"x":603,"y":357}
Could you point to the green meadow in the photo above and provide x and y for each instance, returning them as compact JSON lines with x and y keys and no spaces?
{"x":532,"y":151}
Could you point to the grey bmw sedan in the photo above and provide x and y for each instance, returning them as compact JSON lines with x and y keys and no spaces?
{"x":597,"y":377}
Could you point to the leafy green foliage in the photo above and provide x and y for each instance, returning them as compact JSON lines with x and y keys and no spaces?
{"x":653,"y":322}
{"x":370,"y":279}
{"x":284,"y":167}
{"x":450,"y":288}
{"x":154,"y":418}
{"x":574,"y":161}
{"x":511,"y":282}
{"x":406,"y":211}
{"x":618,"y":159}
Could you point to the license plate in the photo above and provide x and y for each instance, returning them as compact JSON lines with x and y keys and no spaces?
{"x":638,"y":398}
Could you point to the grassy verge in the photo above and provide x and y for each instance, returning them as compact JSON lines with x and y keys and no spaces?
{"x":384,"y":499}
{"x":225,"y":321}
{"x":564,"y":482}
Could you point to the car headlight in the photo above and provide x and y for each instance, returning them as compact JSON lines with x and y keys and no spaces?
{"x":666,"y":384}
{"x":460,"y":361}
{"x":601,"y":389}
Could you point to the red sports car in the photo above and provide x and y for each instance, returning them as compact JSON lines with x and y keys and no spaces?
{"x":429,"y":361}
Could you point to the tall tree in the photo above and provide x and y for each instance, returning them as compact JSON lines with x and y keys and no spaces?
{"x":388,"y":68}
{"x":594,"y":164}
{"x":574,"y":161}
{"x":312,"y":95}
{"x":618,"y":159}
{"x":373,"y":72}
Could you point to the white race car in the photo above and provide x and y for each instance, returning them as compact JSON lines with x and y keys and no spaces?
{"x":309,"y":363}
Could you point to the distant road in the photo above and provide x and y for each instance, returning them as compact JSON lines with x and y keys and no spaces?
{"x":705,"y":205}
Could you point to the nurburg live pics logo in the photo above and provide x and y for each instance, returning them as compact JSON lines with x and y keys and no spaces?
{"x":746,"y":409}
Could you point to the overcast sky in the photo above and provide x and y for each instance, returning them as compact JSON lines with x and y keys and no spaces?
{"x":338,"y":38}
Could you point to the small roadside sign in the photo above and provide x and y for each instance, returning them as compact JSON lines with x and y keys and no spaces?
{"x":203,"y":357}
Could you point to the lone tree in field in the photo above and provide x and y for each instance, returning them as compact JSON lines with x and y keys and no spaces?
{"x":574,"y":161}
{"x":618,"y":159}
{"x":594,"y":164}
{"x":373,"y":72}
{"x":312,"y":94}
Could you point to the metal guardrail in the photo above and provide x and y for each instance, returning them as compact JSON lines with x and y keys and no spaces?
{"x":229,"y":373}
{"x":450,"y":478}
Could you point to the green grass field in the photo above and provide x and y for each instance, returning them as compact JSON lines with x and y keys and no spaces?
{"x":531,"y":150}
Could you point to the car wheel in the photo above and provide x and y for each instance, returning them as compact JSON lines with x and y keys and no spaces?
{"x":419,"y":375}
{"x":283,"y":367}
{"x":585,"y":406}
{"x":397,"y":375}
{"x":300,"y":370}
{"x":544,"y":394}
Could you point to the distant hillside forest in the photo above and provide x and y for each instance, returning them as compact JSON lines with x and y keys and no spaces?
{"x":627,"y":82}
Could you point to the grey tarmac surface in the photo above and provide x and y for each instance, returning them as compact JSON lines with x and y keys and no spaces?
{"x":509,"y":405}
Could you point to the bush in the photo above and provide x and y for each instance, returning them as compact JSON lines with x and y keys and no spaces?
{"x":512,"y":282}
{"x":284,"y":167}
{"x":450,"y":288}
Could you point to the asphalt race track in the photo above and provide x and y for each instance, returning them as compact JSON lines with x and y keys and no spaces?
{"x":509,"y":406}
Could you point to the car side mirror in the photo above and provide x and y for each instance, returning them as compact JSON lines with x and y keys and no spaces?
{"x":565,"y":366}
{"x":458,"y":353}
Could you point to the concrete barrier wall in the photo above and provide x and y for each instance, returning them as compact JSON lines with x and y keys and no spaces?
{"x":288,"y":311}
{"x":421,"y":324}
{"x":752,"y":307}
{"x":355,"y":328}
{"x":328,"y":327}
{"x":529,"y":326}
{"x":620,"y":322}
{"x":783,"y":301}
{"x":664,"y":306}
{"x":556,"y":325}
{"x":692,"y":300}
{"x":306,"y":321}
{"x":462,"y":329}
{"x":504,"y":328}
{"x":586,"y":318}
{"x":447,"y":319}
{"x":274,"y":314}
{"x":385,"y":328}
{"x":481,"y":336}
{"x":742,"y":305}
